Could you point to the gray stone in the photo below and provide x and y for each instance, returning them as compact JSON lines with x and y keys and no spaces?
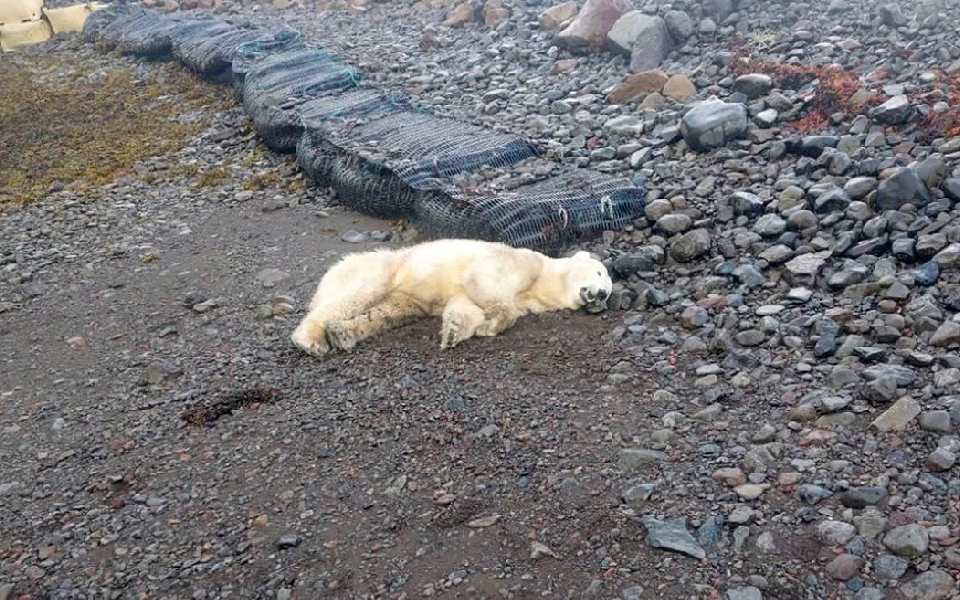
{"x":844,"y":567}
{"x":745,"y":203}
{"x":949,"y":256}
{"x":744,"y":593}
{"x":936,"y":420}
{"x":946,"y":335}
{"x":888,"y":566}
{"x":636,"y":495}
{"x":644,"y":38}
{"x":679,"y":24}
{"x":753,"y":85}
{"x":770,"y":225}
{"x":289,"y":541}
{"x":812,"y":494}
{"x":632,"y":459}
{"x":909,"y":541}
{"x":674,"y":223}
{"x":935,"y":584}
{"x":804,"y":268}
{"x":941,"y":459}
{"x":862,"y":497}
{"x":672,"y":535}
{"x":625,"y":125}
{"x":835,"y":533}
{"x":903,"y":186}
{"x":689,"y":246}
{"x":898,"y":416}
{"x":713,"y":123}
{"x":895,"y":111}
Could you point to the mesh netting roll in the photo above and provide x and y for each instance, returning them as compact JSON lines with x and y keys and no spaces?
{"x":274,"y":89}
{"x":107,"y":35}
{"x":99,"y":20}
{"x":250,"y":53}
{"x":382,"y":154}
{"x":545,"y":215}
{"x":158,"y":42}
{"x":211,"y":55}
{"x":366,"y":102}
{"x":382,"y":167}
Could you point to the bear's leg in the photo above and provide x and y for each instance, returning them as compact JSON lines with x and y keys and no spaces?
{"x":310,"y":336}
{"x":461,"y":317}
{"x":351,"y":287}
{"x":394,"y":311}
{"x":498,"y":319}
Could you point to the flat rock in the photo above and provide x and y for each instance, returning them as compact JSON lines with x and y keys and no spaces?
{"x":679,"y":87}
{"x":672,"y":535}
{"x":713,"y":123}
{"x":634,"y":458}
{"x":898,"y":416}
{"x":554,"y":17}
{"x":637,"y":85}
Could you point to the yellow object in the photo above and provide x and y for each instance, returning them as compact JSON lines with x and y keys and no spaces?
{"x":69,"y":18}
{"x":23,"y":34}
{"x":16,"y":11}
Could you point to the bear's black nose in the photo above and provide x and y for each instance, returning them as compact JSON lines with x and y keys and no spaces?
{"x":602,"y":295}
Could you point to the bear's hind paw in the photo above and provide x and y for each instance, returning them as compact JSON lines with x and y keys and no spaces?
{"x":315,"y":348}
{"x":340,"y":336}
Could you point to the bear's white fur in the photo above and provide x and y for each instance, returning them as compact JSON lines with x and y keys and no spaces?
{"x":477,"y":288}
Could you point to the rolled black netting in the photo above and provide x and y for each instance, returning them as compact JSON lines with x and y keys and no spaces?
{"x":545,"y":215}
{"x":274,"y":89}
{"x":384,"y":166}
{"x":383,"y":155}
{"x":250,"y":53}
{"x":211,"y":57}
{"x":360,"y":102}
{"x":99,"y":20}
{"x":108,"y":35}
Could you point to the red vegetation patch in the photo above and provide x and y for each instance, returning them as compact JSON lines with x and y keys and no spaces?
{"x":945,"y":124}
{"x":835,"y":89}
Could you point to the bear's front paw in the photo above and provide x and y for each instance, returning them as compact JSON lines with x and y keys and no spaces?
{"x":340,"y":336}
{"x":311,"y":345}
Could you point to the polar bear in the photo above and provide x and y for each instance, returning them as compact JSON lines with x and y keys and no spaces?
{"x":477,"y":288}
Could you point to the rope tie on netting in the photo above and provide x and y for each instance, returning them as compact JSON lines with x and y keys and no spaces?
{"x":606,"y":206}
{"x":564,"y":217}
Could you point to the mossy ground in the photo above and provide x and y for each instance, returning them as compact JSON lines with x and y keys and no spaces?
{"x":62,"y":124}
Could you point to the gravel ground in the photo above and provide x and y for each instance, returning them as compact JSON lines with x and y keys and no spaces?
{"x":770,"y":411}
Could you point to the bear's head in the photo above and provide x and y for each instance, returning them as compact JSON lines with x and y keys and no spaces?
{"x":588,"y":281}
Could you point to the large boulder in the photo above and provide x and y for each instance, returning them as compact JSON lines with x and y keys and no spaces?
{"x":679,"y":24}
{"x":463,"y":13}
{"x":903,"y":186}
{"x":713,"y":123}
{"x":593,"y":23}
{"x":636,"y":86}
{"x":554,"y":17}
{"x":679,"y":87}
{"x":494,"y":13}
{"x":643,"y":37}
